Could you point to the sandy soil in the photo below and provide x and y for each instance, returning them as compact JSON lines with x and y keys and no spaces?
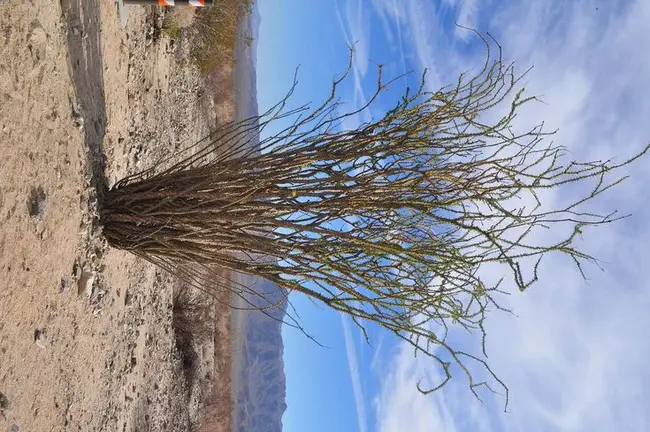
{"x":86,"y":336}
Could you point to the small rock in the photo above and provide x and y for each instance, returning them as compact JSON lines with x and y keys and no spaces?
{"x":36,"y":202}
{"x":78,"y":121}
{"x":86,"y":282}
{"x":75,"y":269}
{"x":39,"y":338}
{"x":63,"y":286}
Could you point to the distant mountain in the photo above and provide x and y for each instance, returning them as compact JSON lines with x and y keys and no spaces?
{"x":262,"y":387}
{"x":261,"y":399}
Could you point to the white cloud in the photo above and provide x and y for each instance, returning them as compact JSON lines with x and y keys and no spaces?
{"x":355,"y":376}
{"x":575,"y":356}
{"x":401,"y":407}
{"x":389,"y":13}
{"x":467,"y":17}
{"x":355,"y":27}
{"x":414,"y":21}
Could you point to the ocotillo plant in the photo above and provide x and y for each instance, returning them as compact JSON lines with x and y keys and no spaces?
{"x":390,"y":222}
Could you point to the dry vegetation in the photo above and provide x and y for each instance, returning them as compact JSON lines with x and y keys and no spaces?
{"x":212,"y":33}
{"x":213,"y":30}
{"x":193,"y":322}
{"x":196,"y":319}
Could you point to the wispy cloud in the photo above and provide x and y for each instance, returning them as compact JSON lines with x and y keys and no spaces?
{"x":389,"y":13}
{"x":411,"y":23}
{"x":355,"y":28}
{"x":468,"y":11}
{"x":355,"y":375}
{"x":574,"y":356}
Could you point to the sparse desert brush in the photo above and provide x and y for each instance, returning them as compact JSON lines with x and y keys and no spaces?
{"x":214,"y":414}
{"x":392,"y":222}
{"x":215,"y":32}
{"x":171,"y":28}
{"x":193,"y":324}
{"x":192,"y":314}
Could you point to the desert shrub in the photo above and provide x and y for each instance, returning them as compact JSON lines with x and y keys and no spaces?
{"x":392,"y":222}
{"x":193,"y":324}
{"x":215,"y":32}
{"x":171,"y":28}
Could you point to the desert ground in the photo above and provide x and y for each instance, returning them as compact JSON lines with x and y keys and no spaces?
{"x":87,"y":340}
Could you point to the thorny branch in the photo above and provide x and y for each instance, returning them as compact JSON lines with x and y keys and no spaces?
{"x":390,"y":222}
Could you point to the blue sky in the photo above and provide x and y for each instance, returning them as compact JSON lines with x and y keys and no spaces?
{"x":575,"y":355}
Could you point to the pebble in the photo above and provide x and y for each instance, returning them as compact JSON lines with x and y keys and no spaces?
{"x":85,"y":284}
{"x":39,"y":339}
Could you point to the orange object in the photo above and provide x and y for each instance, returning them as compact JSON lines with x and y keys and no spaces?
{"x":196,"y":3}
